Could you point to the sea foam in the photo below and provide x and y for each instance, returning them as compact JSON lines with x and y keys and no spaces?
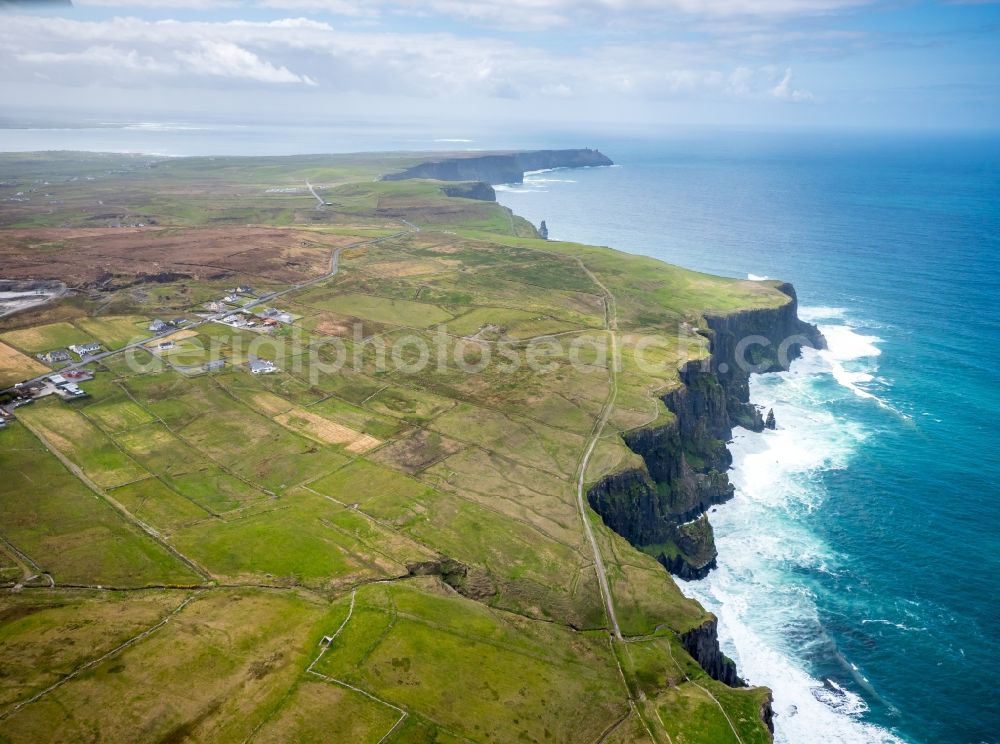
{"x":761,"y":592}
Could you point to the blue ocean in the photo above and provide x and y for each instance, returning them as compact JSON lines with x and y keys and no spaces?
{"x":858,"y":563}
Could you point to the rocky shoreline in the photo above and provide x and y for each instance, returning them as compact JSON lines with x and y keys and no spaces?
{"x":661,"y":508}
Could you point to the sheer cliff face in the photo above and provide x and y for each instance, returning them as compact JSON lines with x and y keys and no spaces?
{"x":661,"y":508}
{"x":756,"y":341}
{"x":496,"y":169}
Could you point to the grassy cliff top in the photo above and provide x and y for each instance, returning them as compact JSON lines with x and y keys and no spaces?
{"x":364,"y":541}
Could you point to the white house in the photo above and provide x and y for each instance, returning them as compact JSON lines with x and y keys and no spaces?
{"x":85,"y":349}
{"x":262,"y":366}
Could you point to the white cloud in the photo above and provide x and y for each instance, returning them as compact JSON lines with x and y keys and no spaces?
{"x":225,"y":59}
{"x":172,"y":4}
{"x":527,"y":15}
{"x":307,"y":52}
{"x":133,"y":47}
{"x":784,"y":90}
{"x":102,"y":56}
{"x":333,"y":7}
{"x":550,"y":14}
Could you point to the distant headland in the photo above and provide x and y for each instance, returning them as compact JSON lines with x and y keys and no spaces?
{"x":496,"y":168}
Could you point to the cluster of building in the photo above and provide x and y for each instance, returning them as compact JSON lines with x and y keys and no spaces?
{"x":231,"y":299}
{"x":240,"y":319}
{"x":271,"y":317}
{"x":276,"y":315}
{"x":58,"y":356}
{"x":66,"y":385}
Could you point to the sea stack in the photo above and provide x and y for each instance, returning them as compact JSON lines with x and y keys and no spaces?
{"x":543,"y":231}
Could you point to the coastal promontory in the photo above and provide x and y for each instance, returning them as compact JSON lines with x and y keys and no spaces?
{"x":500,"y":167}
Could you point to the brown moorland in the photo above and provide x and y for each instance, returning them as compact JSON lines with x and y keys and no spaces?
{"x":91,"y":256}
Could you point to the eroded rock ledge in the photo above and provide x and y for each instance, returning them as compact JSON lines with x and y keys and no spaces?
{"x":662,"y":507}
{"x":478,"y":190}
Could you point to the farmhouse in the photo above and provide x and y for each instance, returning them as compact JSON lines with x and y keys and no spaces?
{"x":159,"y":326}
{"x":262,"y":366}
{"x":82,"y":350}
{"x":165,"y":345}
{"x":215,"y":306}
{"x":244,"y":289}
{"x":273,"y":313}
{"x":214,"y":366}
{"x":237,"y":320}
{"x":54,"y":357}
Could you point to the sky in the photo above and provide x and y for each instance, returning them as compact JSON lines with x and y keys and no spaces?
{"x":616,"y":65}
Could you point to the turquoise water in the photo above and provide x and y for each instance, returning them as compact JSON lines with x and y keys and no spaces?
{"x":858,"y":562}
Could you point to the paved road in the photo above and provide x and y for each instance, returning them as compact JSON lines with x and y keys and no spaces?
{"x":313,"y":192}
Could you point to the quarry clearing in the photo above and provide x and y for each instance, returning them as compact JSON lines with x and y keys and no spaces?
{"x":16,"y":296}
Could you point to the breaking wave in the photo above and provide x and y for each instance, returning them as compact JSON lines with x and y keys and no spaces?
{"x":768,"y":616}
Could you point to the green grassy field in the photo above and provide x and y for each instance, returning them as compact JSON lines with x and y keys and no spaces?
{"x":423,"y":519}
{"x":44,"y":638}
{"x":115,"y":332}
{"x":68,"y":530}
{"x":46,"y":337}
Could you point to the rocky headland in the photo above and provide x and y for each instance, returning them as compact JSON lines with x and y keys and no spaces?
{"x":500,"y":168}
{"x":661,"y":508}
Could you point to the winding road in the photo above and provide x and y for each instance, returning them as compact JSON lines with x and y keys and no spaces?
{"x":312,"y":191}
{"x":611,"y":323}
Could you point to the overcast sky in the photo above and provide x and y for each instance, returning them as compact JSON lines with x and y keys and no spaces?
{"x":609,"y":63}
